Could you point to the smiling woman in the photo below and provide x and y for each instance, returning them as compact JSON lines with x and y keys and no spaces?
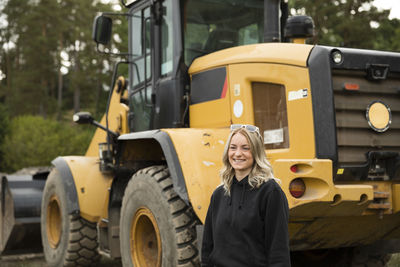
{"x":247,"y":220}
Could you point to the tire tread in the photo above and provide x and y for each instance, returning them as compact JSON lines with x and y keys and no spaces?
{"x":82,"y":248}
{"x":183,"y":217}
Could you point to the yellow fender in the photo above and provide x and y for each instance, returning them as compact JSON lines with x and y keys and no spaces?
{"x":193,"y":156}
{"x":86,"y":187}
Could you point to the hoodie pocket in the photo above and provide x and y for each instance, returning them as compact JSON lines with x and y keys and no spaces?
{"x":233,"y":255}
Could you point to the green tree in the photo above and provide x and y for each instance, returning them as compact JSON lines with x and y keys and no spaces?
{"x":35,"y":141}
{"x":389,"y":35}
{"x":40,"y":32}
{"x":346,"y":23}
{"x":4,"y":124}
{"x":31,"y":29}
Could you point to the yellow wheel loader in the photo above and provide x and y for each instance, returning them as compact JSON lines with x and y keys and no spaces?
{"x":330,"y":118}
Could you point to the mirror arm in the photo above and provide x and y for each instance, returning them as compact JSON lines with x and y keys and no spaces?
{"x":117,"y":14}
{"x":104,"y":128}
{"x":124,"y":3}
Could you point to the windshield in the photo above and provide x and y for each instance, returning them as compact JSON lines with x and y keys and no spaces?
{"x":212,"y":25}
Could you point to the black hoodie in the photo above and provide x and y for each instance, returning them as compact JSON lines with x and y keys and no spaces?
{"x":247,"y":228}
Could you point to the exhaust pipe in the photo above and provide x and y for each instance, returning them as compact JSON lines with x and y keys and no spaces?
{"x":272,"y":29}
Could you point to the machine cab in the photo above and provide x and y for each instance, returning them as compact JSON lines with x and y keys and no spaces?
{"x":164,"y":39}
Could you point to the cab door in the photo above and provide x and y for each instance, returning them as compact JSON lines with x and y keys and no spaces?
{"x":141,"y":69}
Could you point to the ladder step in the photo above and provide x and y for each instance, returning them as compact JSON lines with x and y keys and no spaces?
{"x":378,"y":206}
{"x":381,"y":194}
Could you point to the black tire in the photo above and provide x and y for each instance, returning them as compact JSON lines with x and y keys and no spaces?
{"x":156,"y":222}
{"x":68,"y":240}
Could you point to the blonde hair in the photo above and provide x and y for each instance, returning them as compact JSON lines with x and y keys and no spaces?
{"x":261,"y":171}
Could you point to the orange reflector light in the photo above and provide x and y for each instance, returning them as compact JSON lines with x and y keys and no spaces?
{"x":297,"y":188}
{"x":351,"y":86}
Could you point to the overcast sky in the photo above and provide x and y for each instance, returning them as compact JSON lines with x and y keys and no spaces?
{"x":394,"y":5}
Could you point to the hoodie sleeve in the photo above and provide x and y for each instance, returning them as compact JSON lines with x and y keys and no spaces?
{"x":208,"y":243}
{"x":276,"y":229}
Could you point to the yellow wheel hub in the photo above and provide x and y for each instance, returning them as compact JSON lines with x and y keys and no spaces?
{"x":53,"y":221}
{"x":145,"y":240}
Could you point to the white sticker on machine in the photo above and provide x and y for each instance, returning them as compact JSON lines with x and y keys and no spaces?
{"x":238,"y":108}
{"x":299,"y":94}
{"x":273,"y":136}
{"x":236,"y":89}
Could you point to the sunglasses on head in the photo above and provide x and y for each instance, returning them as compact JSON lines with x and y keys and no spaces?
{"x":248,"y":127}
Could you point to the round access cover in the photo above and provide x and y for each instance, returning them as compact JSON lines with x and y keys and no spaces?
{"x":379,"y":116}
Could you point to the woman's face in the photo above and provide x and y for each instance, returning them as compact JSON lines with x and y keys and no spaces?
{"x":239,"y":154}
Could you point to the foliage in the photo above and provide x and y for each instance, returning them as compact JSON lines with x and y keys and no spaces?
{"x":49,"y":67}
{"x":51,"y":58}
{"x":35,"y":141}
{"x":348,"y":23}
{"x":389,"y":36}
{"x":3,"y":130}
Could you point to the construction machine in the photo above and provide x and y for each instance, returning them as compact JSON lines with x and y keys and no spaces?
{"x":329,"y":116}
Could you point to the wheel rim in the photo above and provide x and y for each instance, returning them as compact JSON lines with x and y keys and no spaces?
{"x":53,"y":221}
{"x":145,"y":239}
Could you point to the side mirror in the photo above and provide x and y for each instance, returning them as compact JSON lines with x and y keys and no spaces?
{"x":102,"y":27}
{"x":83,"y":118}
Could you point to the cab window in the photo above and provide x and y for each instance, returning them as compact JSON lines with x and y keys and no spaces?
{"x":270,"y":114}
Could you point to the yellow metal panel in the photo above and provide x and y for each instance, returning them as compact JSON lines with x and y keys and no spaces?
{"x":92,"y":187}
{"x":299,"y":41}
{"x":319,"y":183}
{"x":214,"y":113}
{"x":396,"y":197}
{"x":282,"y":53}
{"x":300,"y":116}
{"x":200,"y":155}
{"x":117,"y":121}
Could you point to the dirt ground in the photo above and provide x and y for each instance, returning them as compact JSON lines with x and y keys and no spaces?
{"x":37,"y":260}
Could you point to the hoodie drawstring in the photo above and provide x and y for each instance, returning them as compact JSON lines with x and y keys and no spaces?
{"x":230,"y":198}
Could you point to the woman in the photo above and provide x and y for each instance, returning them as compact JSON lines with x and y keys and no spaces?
{"x":247,"y":220}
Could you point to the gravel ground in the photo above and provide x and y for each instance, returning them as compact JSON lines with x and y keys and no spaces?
{"x":394,"y":261}
{"x":37,"y":260}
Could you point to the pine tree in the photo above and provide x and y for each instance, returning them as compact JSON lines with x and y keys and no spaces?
{"x":41,"y":31}
{"x":346,"y":23}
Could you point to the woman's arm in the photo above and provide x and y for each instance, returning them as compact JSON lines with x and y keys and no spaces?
{"x":208,"y":243}
{"x":276,"y":229}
